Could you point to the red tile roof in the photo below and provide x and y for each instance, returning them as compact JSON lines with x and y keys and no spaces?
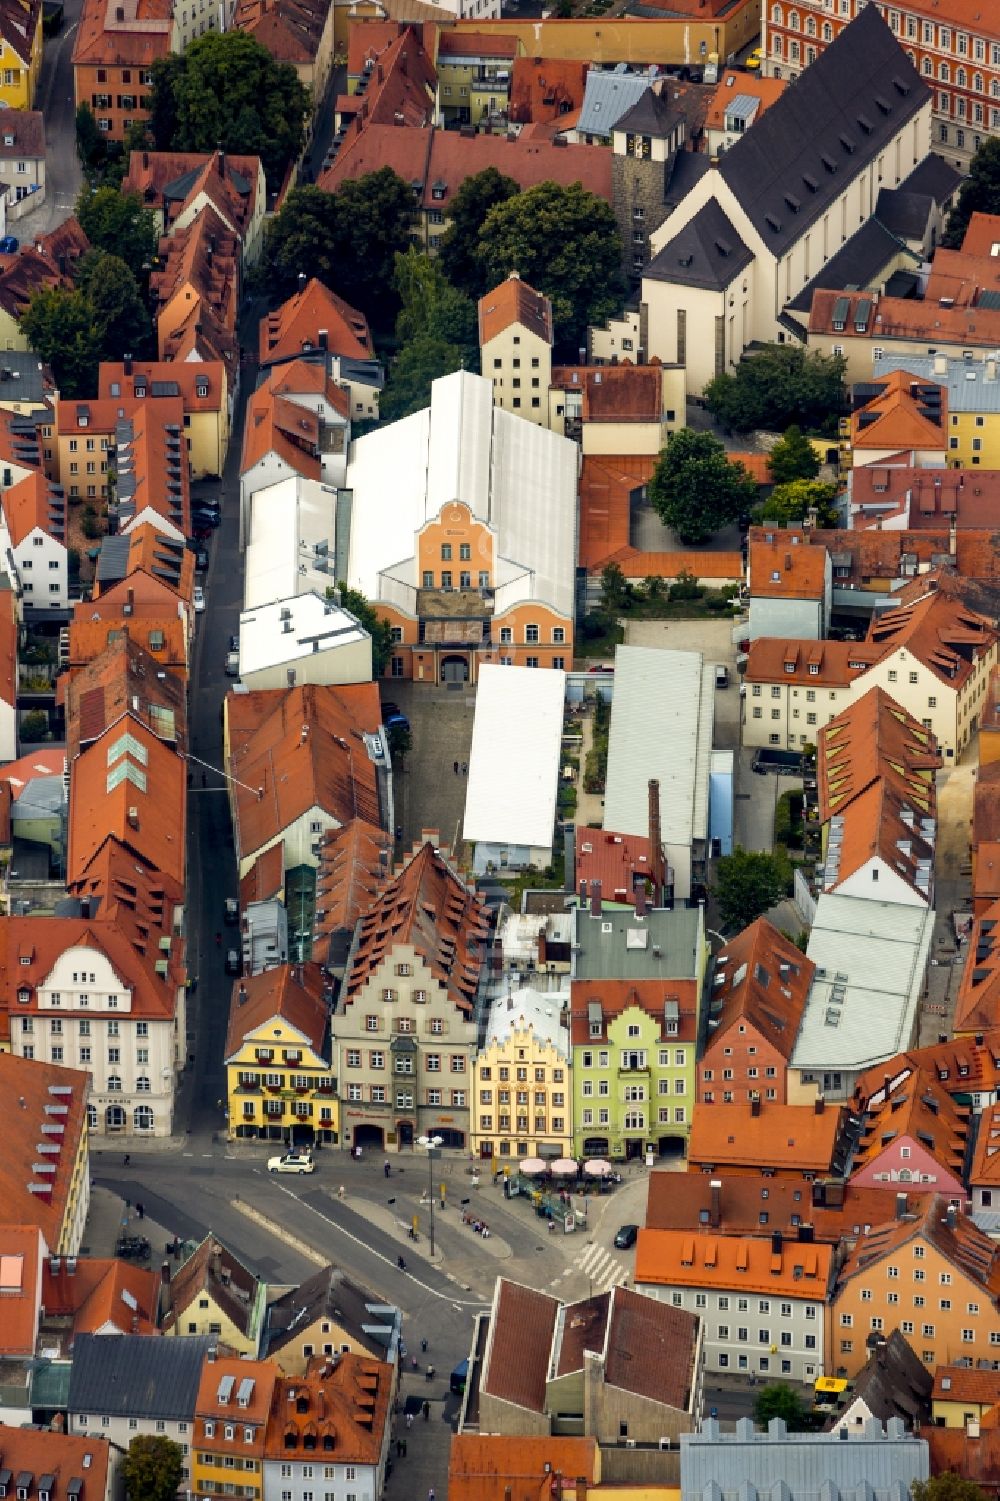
{"x":475,"y":44}
{"x":984,"y":1170}
{"x":514,"y":302}
{"x":274,"y":424}
{"x":515,"y":1363}
{"x":265,"y":878}
{"x":353,"y":863}
{"x":961,"y":1064}
{"x":975,"y":1457}
{"x":201,"y":385}
{"x":64,"y":1456}
{"x":34,"y":1189}
{"x":766,"y":91}
{"x":303,"y":748}
{"x":494,"y":1467}
{"x":546,"y":89}
{"x":9,"y":635}
{"x":875,"y":738}
{"x":350,"y":1403}
{"x":171,"y":182}
{"x":983,"y":230}
{"x":899,"y":416}
{"x":290,"y":30}
{"x":616,"y":860}
{"x":616,"y":996}
{"x":921,"y":1110}
{"x":138,"y":38}
{"x":615,"y":393}
{"x":971,"y":1253}
{"x":123,"y":679}
{"x":22,"y":1253}
{"x":752,"y":1204}
{"x":296,"y":326}
{"x":33,"y":503}
{"x":130,"y":786}
{"x":939,"y":631}
{"x":838,"y":663}
{"x":761,"y":979}
{"x":977,"y":1005}
{"x":42,"y":940}
{"x":782,"y":567}
{"x":791,"y":1138}
{"x":294,"y":992}
{"x":262,"y":1376}
{"x":101,"y":1296}
{"x":675,"y":1258}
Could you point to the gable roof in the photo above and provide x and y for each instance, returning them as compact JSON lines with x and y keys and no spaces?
{"x":652,"y":114}
{"x":212,"y":1268}
{"x":840,"y":114}
{"x":328,"y":767}
{"x":123,"y":679}
{"x":298,"y":324}
{"x":750,"y":1203}
{"x":329,"y":1293}
{"x":774,"y":660}
{"x":514,"y":302}
{"x":135,"y":1376}
{"x":984,"y":1171}
{"x":516,"y":1360}
{"x":762,"y":978}
{"x":922,"y":1111}
{"x":615,"y":393}
{"x":353,"y":863}
{"x":546,"y":89}
{"x":783,"y":566}
{"x":290,"y":30}
{"x":130,"y":786}
{"x":939,"y":631}
{"x":898,"y":412}
{"x":344,"y":1406}
{"x":797,"y":1138}
{"x":894,"y":1382}
{"x":97,"y":1293}
{"x":971,"y":1253}
{"x":977,"y":1005}
{"x":295,"y":993}
{"x":706,"y":252}
{"x":46,"y":1104}
{"x":63,"y":1459}
{"x":22,"y":1257}
{"x":608,"y":99}
{"x":425,"y":905}
{"x":34,"y":502}
{"x":678,"y":1258}
{"x":874,"y":738}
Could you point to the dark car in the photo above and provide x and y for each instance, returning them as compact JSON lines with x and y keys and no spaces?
{"x":388,"y":707}
{"x":232,"y":911}
{"x":133,"y":1247}
{"x":8,"y":245}
{"x":626,"y":1237}
{"x":233,"y":965}
{"x":234,"y":643}
{"x":202,"y":519}
{"x":201,"y":559}
{"x":396,"y":722}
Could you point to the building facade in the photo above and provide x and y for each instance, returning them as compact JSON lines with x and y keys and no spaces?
{"x":279,"y":1074}
{"x":522,"y":1101}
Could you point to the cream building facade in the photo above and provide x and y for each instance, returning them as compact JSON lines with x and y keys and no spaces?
{"x":522,"y":1095}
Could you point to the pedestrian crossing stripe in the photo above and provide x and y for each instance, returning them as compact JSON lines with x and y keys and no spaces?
{"x":604,"y":1270}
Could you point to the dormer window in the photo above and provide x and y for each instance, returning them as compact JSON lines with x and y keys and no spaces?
{"x":209,"y":1428}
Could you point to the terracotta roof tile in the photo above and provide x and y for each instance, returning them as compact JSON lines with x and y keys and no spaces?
{"x":494,"y":1467}
{"x":276,"y":425}
{"x":34,"y":503}
{"x":970,"y":1252}
{"x":668,"y":1339}
{"x":130,"y":786}
{"x":265,"y":878}
{"x":939,"y":631}
{"x":547,"y":89}
{"x":616,"y":996}
{"x":514,"y":302}
{"x":616,"y":860}
{"x":790,"y":1138}
{"x":353,"y":864}
{"x":148,"y":624}
{"x":615,"y":393}
{"x":294,"y":992}
{"x":65,"y":1456}
{"x":961,"y":1064}
{"x":899,"y":416}
{"x":295,"y":326}
{"x":124,"y":678}
{"x":349,"y":1402}
{"x":290,"y":30}
{"x":22,"y":1253}
{"x":875,"y":738}
{"x":213,"y":1269}
{"x":328,"y":767}
{"x":9,"y":635}
{"x":254,"y":1408}
{"x":956,"y":1383}
{"x":782,"y":568}
{"x":43,"y":939}
{"x":95,"y":1294}
{"x":773,"y":660}
{"x":762,"y":979}
{"x":977,"y":1005}
{"x":675,"y":1258}
{"x":752,"y":1204}
{"x":202,"y":386}
{"x":172,"y":181}
{"x":38,"y":1095}
{"x":727,"y":566}
{"x":516,"y":1361}
{"x":139,"y":39}
{"x":984,"y":1171}
{"x":919,"y":1108}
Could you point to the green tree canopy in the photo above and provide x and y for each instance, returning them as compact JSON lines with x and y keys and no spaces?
{"x":747,"y":884}
{"x":980,"y":192}
{"x":695,"y":489}
{"x":418,"y":363}
{"x":778,"y":1400}
{"x":429,"y":304}
{"x":793,"y":501}
{"x":349,"y":240}
{"x":120,"y":315}
{"x":90,"y":143}
{"x":779,"y":386}
{"x":120,"y":224}
{"x":459,"y":245}
{"x":947,"y":1487}
{"x":60,"y":327}
{"x":152,"y":1468}
{"x":379,"y":630}
{"x":615,"y":589}
{"x":793,"y":457}
{"x":228,"y":92}
{"x":565,"y":242}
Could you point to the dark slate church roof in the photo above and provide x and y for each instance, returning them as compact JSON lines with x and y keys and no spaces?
{"x":707,"y":252}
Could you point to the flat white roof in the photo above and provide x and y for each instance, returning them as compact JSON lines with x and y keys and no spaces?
{"x":862,"y":1006}
{"x":662,"y":717}
{"x":514,"y":764}
{"x":289,"y":629}
{"x":287,"y":520}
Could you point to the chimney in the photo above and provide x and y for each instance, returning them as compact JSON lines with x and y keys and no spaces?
{"x":595,"y":899}
{"x":302,"y":281}
{"x":819,"y":1104}
{"x":128,"y":364}
{"x":165,"y":1274}
{"x":656,"y":861}
{"x":755,"y":1104}
{"x":640,"y":899}
{"x":583,"y":893}
{"x":901,"y":1202}
{"x":221,"y":162}
{"x":715,"y":1203}
{"x":951,"y":1217}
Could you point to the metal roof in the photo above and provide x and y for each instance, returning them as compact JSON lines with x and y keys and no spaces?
{"x":969,"y":384}
{"x":514,"y":763}
{"x":606,"y":97}
{"x":742,"y":107}
{"x":620,"y":945}
{"x":870,"y":960}
{"x":287,"y":630}
{"x":134,"y":1376}
{"x":541,"y":1010}
{"x":662,"y":718}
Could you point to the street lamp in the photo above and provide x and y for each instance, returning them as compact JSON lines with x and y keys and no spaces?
{"x":432,"y":1144}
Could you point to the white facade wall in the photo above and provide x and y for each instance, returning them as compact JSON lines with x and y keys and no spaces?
{"x":291,"y":1480}
{"x":784,"y":1337}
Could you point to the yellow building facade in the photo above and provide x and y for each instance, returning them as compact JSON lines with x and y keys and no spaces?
{"x":522,"y":1099}
{"x":20,"y":65}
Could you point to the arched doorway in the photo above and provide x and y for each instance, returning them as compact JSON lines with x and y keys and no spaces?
{"x":454,"y":669}
{"x":114,"y":1118}
{"x":142,"y":1117}
{"x":369,"y":1136}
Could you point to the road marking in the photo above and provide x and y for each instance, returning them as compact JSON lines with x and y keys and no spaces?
{"x":604,"y":1270}
{"x":371,"y":1251}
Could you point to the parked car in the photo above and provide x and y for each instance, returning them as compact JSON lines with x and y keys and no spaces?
{"x":233,"y":965}
{"x":9,"y":245}
{"x":199,"y":599}
{"x":232,"y":911}
{"x":206,"y":503}
{"x":201,"y":559}
{"x":389,"y":708}
{"x":202,"y":520}
{"x":756,"y":60}
{"x":292,"y":1162}
{"x":626,"y":1237}
{"x":396,"y":722}
{"x":234,"y":643}
{"x":232,"y":664}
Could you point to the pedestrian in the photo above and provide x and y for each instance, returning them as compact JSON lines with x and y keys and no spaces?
{"x":140,"y":1211}
{"x":423,"y":1346}
{"x":126,"y":1159}
{"x":430,"y":1494}
{"x":410,"y":1416}
{"x":409,"y":1420}
{"x":426,"y":1411}
{"x":465,"y":768}
{"x":399,"y":1448}
{"x":387,"y":1169}
{"x":218,"y":940}
{"x":456,"y":768}
{"x":340,"y":1192}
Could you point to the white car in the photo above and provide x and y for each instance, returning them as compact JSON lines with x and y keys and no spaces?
{"x":292,"y":1162}
{"x":199,"y":599}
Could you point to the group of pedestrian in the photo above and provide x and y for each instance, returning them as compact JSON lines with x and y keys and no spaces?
{"x":480,"y":1226}
{"x":461,"y":769}
{"x":401,"y":1445}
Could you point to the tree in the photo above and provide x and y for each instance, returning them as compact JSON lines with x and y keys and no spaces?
{"x":400,"y":742}
{"x":120,"y":224}
{"x":793,"y":457}
{"x":34,"y":726}
{"x":357,"y":605}
{"x":152,"y":1468}
{"x":748,"y":883}
{"x":459,"y":245}
{"x":947,"y":1487}
{"x":695,"y":489}
{"x":614,"y":589}
{"x":778,"y":1400}
{"x":565,"y":242}
{"x":227,"y":92}
{"x":429,"y":304}
{"x":778,"y":386}
{"x":91,"y":146}
{"x":120,"y":315}
{"x":793,"y":502}
{"x":349,"y":240}
{"x":980,"y":192}
{"x":59,"y":326}
{"x":419,"y":363}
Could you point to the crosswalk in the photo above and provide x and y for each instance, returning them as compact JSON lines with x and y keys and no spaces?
{"x":604,"y":1270}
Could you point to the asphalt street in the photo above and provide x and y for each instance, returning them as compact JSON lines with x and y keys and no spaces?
{"x":63,"y":176}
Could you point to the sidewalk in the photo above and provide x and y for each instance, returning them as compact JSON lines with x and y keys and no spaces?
{"x":109,"y":1217}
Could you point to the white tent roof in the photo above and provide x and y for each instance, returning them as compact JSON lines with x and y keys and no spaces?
{"x":514,"y":765}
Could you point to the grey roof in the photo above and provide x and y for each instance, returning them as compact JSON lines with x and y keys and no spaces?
{"x":618,"y":945}
{"x":895,"y":1383}
{"x":137,"y":1376}
{"x":707,"y":252}
{"x":837,"y":117}
{"x":653,"y":114}
{"x":330,"y":1292}
{"x":874,"y":1464}
{"x":904,"y":212}
{"x":860,"y":262}
{"x":27,"y":374}
{"x":112,"y":560}
{"x":606,"y":97}
{"x":871,"y":959}
{"x":687,"y":168}
{"x":969,"y":384}
{"x":934,"y":176}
